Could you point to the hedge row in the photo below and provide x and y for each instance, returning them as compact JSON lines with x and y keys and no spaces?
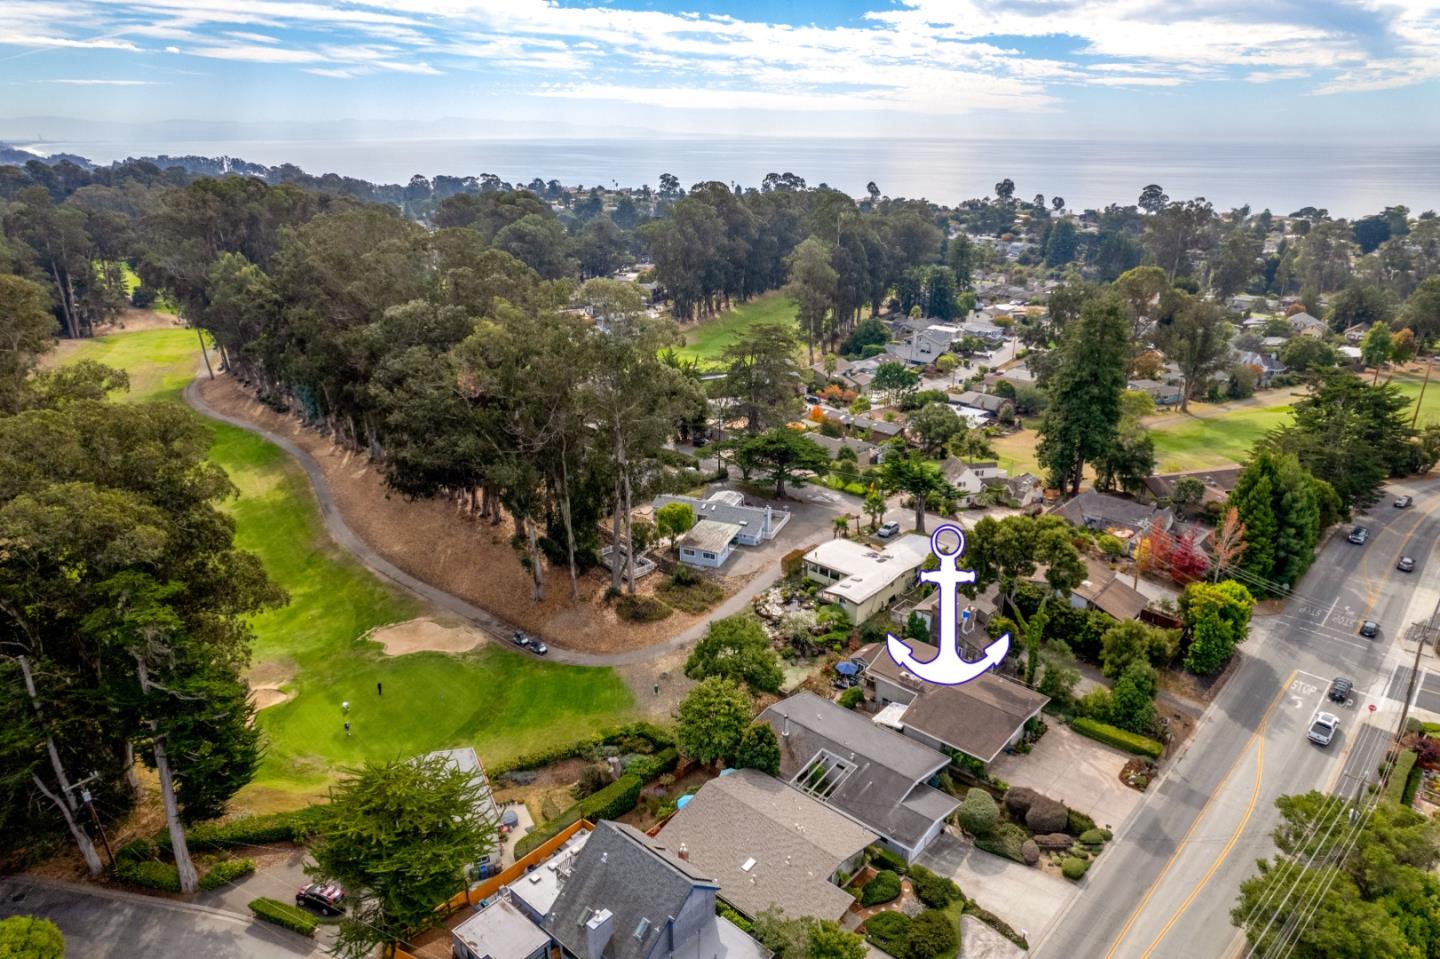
{"x":890,"y":860}
{"x":1007,"y":842}
{"x":226,"y":872}
{"x":152,"y":874}
{"x":1117,"y":737}
{"x":995,"y":922}
{"x":284,"y":915}
{"x":612,"y":802}
{"x":649,"y":767}
{"x":657,"y":735}
{"x":1399,"y":776}
{"x":295,"y":826}
{"x":738,"y":921}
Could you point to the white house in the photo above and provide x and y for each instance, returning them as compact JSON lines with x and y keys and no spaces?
{"x":708,"y":543}
{"x":758,"y":524}
{"x":861,"y":579}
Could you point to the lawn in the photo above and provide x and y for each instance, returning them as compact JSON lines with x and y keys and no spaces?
{"x":707,"y":339}
{"x":1220,"y":440}
{"x":499,"y":702}
{"x":1409,"y":384}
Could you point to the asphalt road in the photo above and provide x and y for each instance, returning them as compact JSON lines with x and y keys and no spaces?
{"x":1167,"y":885}
{"x":103,"y":924}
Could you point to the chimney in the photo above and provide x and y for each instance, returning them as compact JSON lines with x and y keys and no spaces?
{"x":786,"y":730}
{"x":684,"y":852}
{"x":598,"y":932}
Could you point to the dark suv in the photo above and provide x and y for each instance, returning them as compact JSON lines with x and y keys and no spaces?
{"x":1359,"y":535}
{"x":325,"y":897}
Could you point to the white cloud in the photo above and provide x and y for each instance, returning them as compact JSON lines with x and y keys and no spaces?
{"x":106,"y":83}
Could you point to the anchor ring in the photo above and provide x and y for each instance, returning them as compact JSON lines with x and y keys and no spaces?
{"x":935,"y":542}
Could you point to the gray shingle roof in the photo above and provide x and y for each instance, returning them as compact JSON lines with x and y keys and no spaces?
{"x":1101,"y":510}
{"x":882,"y":769}
{"x":796,"y":844}
{"x":619,"y":871}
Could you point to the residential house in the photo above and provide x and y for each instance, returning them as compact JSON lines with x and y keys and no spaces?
{"x":466,"y":761}
{"x":871,"y":774}
{"x":1217,"y":484}
{"x":1243,"y":302}
{"x":758,"y":524}
{"x":979,"y":718}
{"x":1125,"y":519}
{"x":866,"y":454}
{"x":1303,"y":324}
{"x":708,"y":543}
{"x":969,"y":478}
{"x":1350,"y":354}
{"x":991,"y":403}
{"x":864,"y":580}
{"x":1273,"y":344}
{"x":875,"y":429}
{"x":1164,"y":394}
{"x":1021,"y":492}
{"x":1267,"y":364}
{"x":1354,"y":334}
{"x":610,"y":894}
{"x":923,"y":347}
{"x":1104,"y":590}
{"x":770,"y":843}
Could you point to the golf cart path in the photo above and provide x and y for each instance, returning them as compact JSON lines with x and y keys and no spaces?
{"x":497,"y":629}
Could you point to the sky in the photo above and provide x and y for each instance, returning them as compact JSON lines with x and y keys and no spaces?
{"x":1309,"y":70}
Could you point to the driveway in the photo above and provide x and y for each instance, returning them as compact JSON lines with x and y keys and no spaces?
{"x":1026,"y":898}
{"x":107,"y":924}
{"x":1080,"y":772}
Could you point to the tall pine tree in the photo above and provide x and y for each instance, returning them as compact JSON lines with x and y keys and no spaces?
{"x":1084,"y":412}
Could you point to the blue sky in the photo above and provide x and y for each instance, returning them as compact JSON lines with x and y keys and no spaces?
{"x":1312,"y":69}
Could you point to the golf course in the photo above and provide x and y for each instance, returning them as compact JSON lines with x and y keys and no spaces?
{"x":501,"y":702}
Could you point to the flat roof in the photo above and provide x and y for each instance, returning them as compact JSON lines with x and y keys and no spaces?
{"x":501,"y":931}
{"x":539,"y":887}
{"x":866,"y":570}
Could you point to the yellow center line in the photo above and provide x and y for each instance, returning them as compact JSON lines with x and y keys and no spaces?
{"x":1185,"y":839}
{"x":1225,"y":852}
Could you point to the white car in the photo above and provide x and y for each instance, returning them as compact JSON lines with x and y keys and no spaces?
{"x":1322,"y":728}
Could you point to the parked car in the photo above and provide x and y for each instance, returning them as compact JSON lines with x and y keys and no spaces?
{"x":525,"y":641}
{"x":1406,"y":564}
{"x":1340,"y":689}
{"x":1322,"y":728}
{"x":1359,"y":535}
{"x":538,"y":647}
{"x":324,"y":897}
{"x":1404,"y":501}
{"x":1369,"y":629}
{"x":888,"y":530}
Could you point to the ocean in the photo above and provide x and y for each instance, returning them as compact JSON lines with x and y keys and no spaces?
{"x":1348,"y":179}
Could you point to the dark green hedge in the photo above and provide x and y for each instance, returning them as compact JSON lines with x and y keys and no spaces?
{"x":295,"y":826}
{"x":1117,"y":737}
{"x":1400,"y":777}
{"x":888,"y":931}
{"x":657,"y":735}
{"x":650,"y":767}
{"x":1006,"y":842}
{"x":996,"y":923}
{"x":226,"y":872}
{"x":885,"y":887}
{"x":612,"y":802}
{"x":285,"y":915}
{"x":738,"y":921}
{"x":152,"y":874}
{"x":887,"y":859}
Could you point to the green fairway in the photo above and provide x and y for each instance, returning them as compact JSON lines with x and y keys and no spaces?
{"x":501,"y":703}
{"x":1409,"y":384}
{"x":1219,"y":440}
{"x":708,"y":339}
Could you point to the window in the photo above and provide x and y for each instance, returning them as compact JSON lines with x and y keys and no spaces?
{"x":708,"y":555}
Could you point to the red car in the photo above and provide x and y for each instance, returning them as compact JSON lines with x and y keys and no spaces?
{"x":326,"y":897}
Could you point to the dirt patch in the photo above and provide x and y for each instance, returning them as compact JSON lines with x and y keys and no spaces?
{"x":265,"y":698}
{"x":134,"y":321}
{"x":442,"y":543}
{"x":425,"y":635}
{"x":658,"y":685}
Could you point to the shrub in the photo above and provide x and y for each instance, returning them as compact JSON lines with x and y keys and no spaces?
{"x":690,"y":597}
{"x":735,"y":919}
{"x":593,"y":778}
{"x":883,"y":888}
{"x":30,"y":937}
{"x":612,"y":802}
{"x":888,"y":931}
{"x":1007,"y":841}
{"x":649,"y":767}
{"x":148,"y":875}
{"x":978,"y":813}
{"x":656,"y":735}
{"x":293,"y":826}
{"x":1092,"y":837}
{"x":226,"y":872}
{"x":1399,"y":778}
{"x":139,"y":849}
{"x":996,"y":923}
{"x":1073,"y":868}
{"x":284,"y":915}
{"x":937,"y":892}
{"x":852,"y":697}
{"x":1046,"y":815}
{"x":641,"y":609}
{"x":931,"y":934}
{"x":1079,"y":823}
{"x":888,"y":860}
{"x":1119,"y":738}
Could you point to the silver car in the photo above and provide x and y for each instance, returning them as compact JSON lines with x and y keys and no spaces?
{"x":1322,"y":728}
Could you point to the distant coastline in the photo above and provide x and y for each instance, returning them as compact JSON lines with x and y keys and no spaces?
{"x":1348,"y":180}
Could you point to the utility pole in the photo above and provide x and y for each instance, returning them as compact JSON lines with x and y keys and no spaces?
{"x":89,"y":801}
{"x":203,"y":352}
{"x":1424,"y":632}
{"x":1415,"y":417}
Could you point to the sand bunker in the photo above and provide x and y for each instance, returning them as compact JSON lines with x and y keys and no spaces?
{"x":426,"y":635}
{"x":265,"y":681}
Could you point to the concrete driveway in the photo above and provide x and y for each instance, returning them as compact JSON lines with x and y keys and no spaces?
{"x":1080,"y":772}
{"x":108,"y":924}
{"x":1026,"y":898}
